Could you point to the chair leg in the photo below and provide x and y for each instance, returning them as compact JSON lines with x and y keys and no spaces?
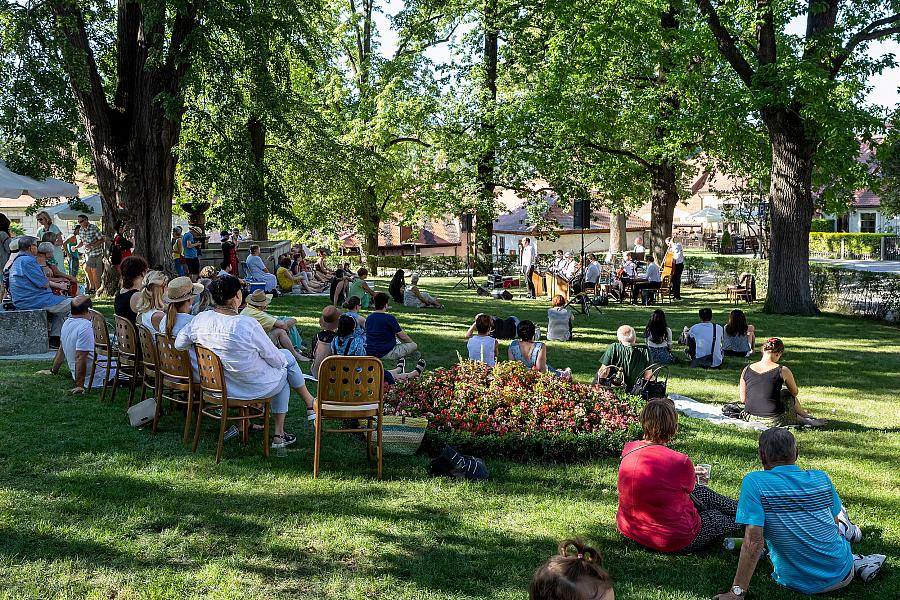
{"x":266,"y":410}
{"x":317,"y":445}
{"x":378,"y":450}
{"x":115,"y":384}
{"x":369,"y":440}
{"x":156,"y":414}
{"x":90,"y":379}
{"x":223,"y":419}
{"x":189,"y":414}
{"x":131,"y":385}
{"x":199,"y":422}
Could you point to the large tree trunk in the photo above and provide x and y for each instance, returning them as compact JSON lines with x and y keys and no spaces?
{"x":484,"y":220}
{"x":369,"y":223}
{"x":258,"y":218}
{"x":618,"y":237}
{"x":791,"y":210}
{"x":663,"y":199}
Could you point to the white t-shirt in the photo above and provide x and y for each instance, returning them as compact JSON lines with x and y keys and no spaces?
{"x":630,"y":269}
{"x":703,"y":335}
{"x":253,"y":365}
{"x":481,"y":347}
{"x":592,"y":275}
{"x":570,"y":269}
{"x":653,"y":272}
{"x":638,"y":249}
{"x":529,"y":253}
{"x":77,"y":335}
{"x":677,"y":253}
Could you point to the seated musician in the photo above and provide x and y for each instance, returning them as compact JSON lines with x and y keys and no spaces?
{"x":652,"y":283}
{"x":591,"y":273}
{"x":569,"y":267}
{"x":629,"y":269}
{"x":556,"y":266}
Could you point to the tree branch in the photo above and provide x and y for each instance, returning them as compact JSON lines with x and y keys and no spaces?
{"x":765,"y":33}
{"x":873,"y":31}
{"x":618,"y":152}
{"x":726,"y":43}
{"x":400,"y":140}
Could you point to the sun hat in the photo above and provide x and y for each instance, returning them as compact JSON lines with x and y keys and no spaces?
{"x":330,"y":317}
{"x":182,"y":288}
{"x":259,"y":299}
{"x":196,"y":230}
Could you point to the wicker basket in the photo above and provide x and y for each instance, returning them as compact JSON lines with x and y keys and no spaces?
{"x":402,"y":435}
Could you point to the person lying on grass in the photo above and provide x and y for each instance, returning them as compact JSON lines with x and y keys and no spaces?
{"x":413,"y":297}
{"x":799,"y":516}
{"x":769,"y":390}
{"x":571,"y":575}
{"x":662,"y":505}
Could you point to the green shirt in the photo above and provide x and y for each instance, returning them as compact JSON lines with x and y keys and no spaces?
{"x":633,"y":360}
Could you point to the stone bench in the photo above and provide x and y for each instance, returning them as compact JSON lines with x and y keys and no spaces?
{"x":23,"y":332}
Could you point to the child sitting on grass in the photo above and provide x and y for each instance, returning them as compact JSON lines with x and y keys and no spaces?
{"x":572,"y":576}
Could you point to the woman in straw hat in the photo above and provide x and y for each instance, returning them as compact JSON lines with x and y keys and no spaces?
{"x":281,"y":330}
{"x":180,"y":297}
{"x":254,"y":367}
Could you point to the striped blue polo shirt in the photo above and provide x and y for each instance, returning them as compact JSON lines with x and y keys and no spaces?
{"x":796,"y":510}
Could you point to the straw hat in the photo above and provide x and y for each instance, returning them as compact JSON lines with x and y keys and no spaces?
{"x":182,"y":288}
{"x":330,"y":317}
{"x":196,"y":230}
{"x":259,"y":299}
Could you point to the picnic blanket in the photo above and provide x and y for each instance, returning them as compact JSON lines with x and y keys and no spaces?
{"x":711,"y":412}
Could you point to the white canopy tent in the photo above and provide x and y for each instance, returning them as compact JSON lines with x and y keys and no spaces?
{"x":13,"y":185}
{"x":707,"y":215}
{"x":66,"y":212}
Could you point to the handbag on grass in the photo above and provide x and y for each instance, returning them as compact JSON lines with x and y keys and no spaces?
{"x":142,"y":412}
{"x":652,"y":387}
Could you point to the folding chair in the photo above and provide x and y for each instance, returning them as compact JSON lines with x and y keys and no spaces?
{"x":104,"y":351}
{"x":350,"y":387}
{"x":176,"y":381}
{"x":129,"y":355}
{"x":215,"y":403}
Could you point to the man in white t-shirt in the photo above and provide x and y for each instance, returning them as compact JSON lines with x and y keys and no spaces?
{"x":705,"y":338}
{"x":677,"y":252}
{"x":77,"y":347}
{"x":529,"y":258}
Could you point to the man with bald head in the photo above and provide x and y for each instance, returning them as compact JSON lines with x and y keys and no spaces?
{"x":77,"y":346}
{"x":627,"y":356}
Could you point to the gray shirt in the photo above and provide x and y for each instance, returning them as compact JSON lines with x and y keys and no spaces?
{"x":558,"y":320}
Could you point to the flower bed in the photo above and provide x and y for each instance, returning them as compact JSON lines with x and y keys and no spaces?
{"x":515,"y":412}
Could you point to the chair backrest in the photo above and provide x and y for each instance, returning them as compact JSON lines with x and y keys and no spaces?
{"x":173,"y":364}
{"x":127,"y":338}
{"x":666,"y":283}
{"x":212,"y":375}
{"x":351,"y":385}
{"x":101,"y":333}
{"x":148,"y":347}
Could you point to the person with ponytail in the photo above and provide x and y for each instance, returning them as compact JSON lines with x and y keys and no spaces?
{"x":180,"y":297}
{"x":576,"y":573}
{"x":149,"y":303}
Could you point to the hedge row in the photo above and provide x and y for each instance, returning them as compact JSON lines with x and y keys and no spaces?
{"x":875,"y":295}
{"x":856,"y":245}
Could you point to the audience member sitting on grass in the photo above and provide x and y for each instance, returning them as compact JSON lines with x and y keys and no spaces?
{"x":799,"y":516}
{"x":661,"y":505}
{"x":338,"y":287}
{"x":321,"y":269}
{"x":150,"y":303}
{"x":257,"y":270}
{"x":52,"y":271}
{"x":352,"y":307}
{"x":658,"y":337}
{"x":287,"y":280}
{"x":254,"y":367}
{"x":360,"y":288}
{"x":575,"y":575}
{"x":132,"y":270}
{"x":397,"y":285}
{"x":350,"y":339}
{"x":740,"y":337}
{"x":321,"y":344}
{"x":768,"y":390}
{"x":383,"y":331}
{"x":482,"y":347}
{"x":704,"y":342}
{"x":560,"y":320}
{"x":180,"y":297}
{"x":30,"y":289}
{"x":532,"y":354}
{"x":77,"y":348}
{"x":626,"y":357}
{"x":416,"y":298}
{"x":281,"y":330}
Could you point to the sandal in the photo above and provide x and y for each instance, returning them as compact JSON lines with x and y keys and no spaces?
{"x":285,"y":439}
{"x":420,"y":366}
{"x":310,"y":414}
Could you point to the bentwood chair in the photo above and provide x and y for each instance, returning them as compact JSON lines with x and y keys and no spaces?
{"x":176,"y":382}
{"x":215,"y":403}
{"x":149,"y":375}
{"x":104,"y":352}
{"x":350,"y":387}
{"x":665,"y":290}
{"x":129,"y":355}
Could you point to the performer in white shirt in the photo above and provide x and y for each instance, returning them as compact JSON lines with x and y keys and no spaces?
{"x":678,"y":259}
{"x":529,"y":258}
{"x":653,"y":280}
{"x":639,"y":246}
{"x":569,"y":267}
{"x":558,"y":261}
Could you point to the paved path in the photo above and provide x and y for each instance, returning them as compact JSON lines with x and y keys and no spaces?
{"x":871,"y":266}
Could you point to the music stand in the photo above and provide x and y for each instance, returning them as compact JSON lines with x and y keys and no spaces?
{"x":467,"y":277}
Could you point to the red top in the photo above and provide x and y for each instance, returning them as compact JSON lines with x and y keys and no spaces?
{"x":655,"y":509}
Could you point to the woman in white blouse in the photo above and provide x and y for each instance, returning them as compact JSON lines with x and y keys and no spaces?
{"x":254,"y":367}
{"x":659,"y":339}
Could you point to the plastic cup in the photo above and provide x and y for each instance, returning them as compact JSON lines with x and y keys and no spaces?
{"x":704,"y":472}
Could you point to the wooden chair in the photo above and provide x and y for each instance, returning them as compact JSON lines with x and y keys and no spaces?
{"x":104,"y":351}
{"x":665,"y":290}
{"x":177,"y":378}
{"x":129,"y":354}
{"x":215,"y":403}
{"x":350,"y":387}
{"x":149,"y":376}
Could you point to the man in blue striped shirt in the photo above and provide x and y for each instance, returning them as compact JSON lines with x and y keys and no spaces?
{"x":799,"y":516}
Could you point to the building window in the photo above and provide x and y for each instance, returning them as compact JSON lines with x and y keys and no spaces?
{"x":501,"y":244}
{"x":867,"y":222}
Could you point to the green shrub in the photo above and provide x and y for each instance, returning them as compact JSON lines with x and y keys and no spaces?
{"x":823,"y":225}
{"x":875,"y":295}
{"x":856,"y":245}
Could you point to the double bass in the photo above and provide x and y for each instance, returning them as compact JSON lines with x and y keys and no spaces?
{"x":668,"y":265}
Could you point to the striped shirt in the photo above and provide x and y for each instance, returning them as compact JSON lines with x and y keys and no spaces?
{"x":796,"y":509}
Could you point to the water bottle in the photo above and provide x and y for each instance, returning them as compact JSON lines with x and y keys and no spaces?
{"x":733,"y":543}
{"x":281,"y":452}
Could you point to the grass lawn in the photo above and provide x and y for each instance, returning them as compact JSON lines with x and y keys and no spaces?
{"x":90,"y":507}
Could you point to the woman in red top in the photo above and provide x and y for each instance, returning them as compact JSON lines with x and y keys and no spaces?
{"x":661,"y":506}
